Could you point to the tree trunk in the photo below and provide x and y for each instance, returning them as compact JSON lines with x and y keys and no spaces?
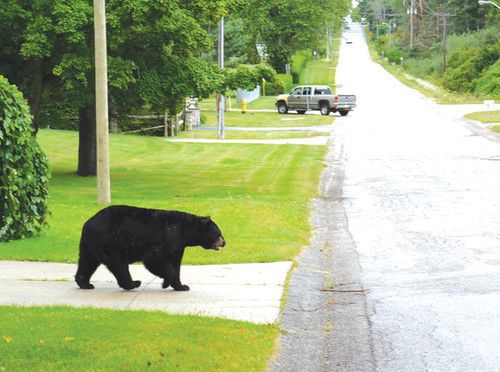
{"x":87,"y":157}
{"x":36,"y":100}
{"x":113,"y":120}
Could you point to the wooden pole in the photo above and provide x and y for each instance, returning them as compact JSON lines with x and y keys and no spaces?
{"x":444,"y":41}
{"x":101,"y":95}
{"x":220,"y":108}
{"x":412,"y":6}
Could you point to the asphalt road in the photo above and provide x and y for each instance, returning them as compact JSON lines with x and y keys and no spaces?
{"x":403,"y":271}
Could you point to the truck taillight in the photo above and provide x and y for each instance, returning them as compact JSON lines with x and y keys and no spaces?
{"x":336,"y":98}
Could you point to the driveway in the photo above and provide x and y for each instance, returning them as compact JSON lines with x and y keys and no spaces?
{"x":403,"y":272}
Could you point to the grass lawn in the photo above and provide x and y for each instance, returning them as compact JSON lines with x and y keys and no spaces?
{"x":212,"y":134}
{"x":259,"y":195}
{"x":495,"y":128}
{"x":73,"y":339}
{"x":485,"y":116}
{"x":267,"y":119}
{"x":319,"y":72}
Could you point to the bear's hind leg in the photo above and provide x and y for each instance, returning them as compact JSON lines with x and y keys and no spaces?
{"x":122,"y":274}
{"x":159,"y":267}
{"x":87,"y":266}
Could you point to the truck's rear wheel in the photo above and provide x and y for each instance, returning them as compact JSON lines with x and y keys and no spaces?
{"x":343,"y":112}
{"x":301,"y":112}
{"x":282,"y":108}
{"x":324,"y":109}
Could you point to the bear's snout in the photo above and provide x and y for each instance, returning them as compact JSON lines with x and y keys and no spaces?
{"x":219,"y":243}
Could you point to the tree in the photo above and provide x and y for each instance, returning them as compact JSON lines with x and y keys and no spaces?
{"x":155,"y":56}
{"x":286,"y":26}
{"x":23,"y":169}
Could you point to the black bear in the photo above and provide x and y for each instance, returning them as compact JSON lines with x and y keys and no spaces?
{"x":119,"y":235}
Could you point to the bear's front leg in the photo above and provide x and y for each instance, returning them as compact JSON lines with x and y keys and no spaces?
{"x":176,"y":265}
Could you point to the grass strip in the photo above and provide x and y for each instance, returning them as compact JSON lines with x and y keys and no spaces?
{"x":492,"y":116}
{"x":77,"y":339}
{"x":268,"y":119}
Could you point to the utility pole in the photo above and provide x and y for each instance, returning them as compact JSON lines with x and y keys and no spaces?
{"x":220,"y":108}
{"x":412,"y":11}
{"x":327,"y":44}
{"x":445,"y":35}
{"x":101,"y":96}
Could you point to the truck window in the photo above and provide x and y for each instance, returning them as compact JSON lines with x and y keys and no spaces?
{"x":297,"y":91}
{"x":322,"y":91}
{"x":306,"y":91}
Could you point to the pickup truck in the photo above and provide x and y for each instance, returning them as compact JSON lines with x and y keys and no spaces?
{"x":315,"y":97}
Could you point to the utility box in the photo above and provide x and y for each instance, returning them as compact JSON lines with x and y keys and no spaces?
{"x":192,"y":117}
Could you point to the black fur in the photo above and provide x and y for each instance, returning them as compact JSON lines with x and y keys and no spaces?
{"x":119,"y":235}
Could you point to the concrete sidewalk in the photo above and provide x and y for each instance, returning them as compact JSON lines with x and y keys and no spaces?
{"x":309,"y":141}
{"x":250,"y":292}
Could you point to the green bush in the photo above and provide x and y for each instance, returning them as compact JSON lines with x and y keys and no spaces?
{"x":248,"y":76}
{"x":23,"y":169}
{"x":488,"y":85}
{"x":274,"y":88}
{"x":282,"y":84}
{"x":299,"y":62}
{"x":287,"y":81}
{"x":466,"y":66}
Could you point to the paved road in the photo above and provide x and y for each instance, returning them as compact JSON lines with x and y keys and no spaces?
{"x":403,"y":273}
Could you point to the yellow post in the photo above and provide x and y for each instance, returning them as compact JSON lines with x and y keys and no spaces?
{"x":243,"y":106}
{"x":263,"y":86}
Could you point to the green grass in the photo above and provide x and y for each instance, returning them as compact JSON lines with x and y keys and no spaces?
{"x":258,"y":195}
{"x":267,"y":102}
{"x":485,"y":116}
{"x":495,"y":128}
{"x":319,"y":72}
{"x":205,"y":134}
{"x":267,"y":119}
{"x":72,"y":339}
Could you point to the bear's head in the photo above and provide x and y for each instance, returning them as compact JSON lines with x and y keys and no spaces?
{"x":211,"y":236}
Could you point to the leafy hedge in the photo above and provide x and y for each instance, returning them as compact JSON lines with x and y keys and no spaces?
{"x":24,"y":170}
{"x":466,"y":67}
{"x":282,"y":84}
{"x":299,"y":63}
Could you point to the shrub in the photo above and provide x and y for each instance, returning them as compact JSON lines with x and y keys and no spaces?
{"x":466,"y":66}
{"x":23,"y":169}
{"x":299,"y":62}
{"x":282,"y":84}
{"x":275,"y":88}
{"x":488,"y":84}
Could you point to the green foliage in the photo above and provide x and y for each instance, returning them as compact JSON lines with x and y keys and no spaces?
{"x":466,"y":66}
{"x":23,"y":169}
{"x":287,"y":26}
{"x":248,"y":76}
{"x":488,"y":85}
{"x":287,"y":81}
{"x":299,"y":63}
{"x":47,"y":49}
